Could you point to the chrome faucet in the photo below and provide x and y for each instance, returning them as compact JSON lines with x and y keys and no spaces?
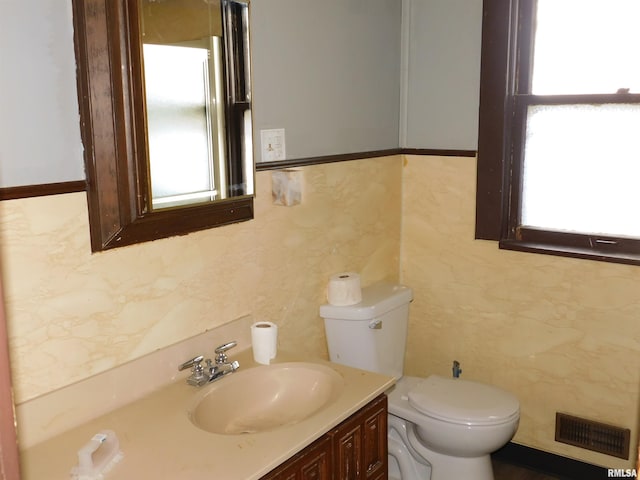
{"x":201,"y":375}
{"x":456,"y":369}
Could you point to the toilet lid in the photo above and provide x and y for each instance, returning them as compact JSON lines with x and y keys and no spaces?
{"x":463,"y":401}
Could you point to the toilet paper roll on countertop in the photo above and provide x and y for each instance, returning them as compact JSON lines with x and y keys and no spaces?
{"x":344,"y":289}
{"x":264,"y":340}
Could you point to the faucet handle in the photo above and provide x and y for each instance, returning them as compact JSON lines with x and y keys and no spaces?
{"x":197,"y":377}
{"x":221,"y":356}
{"x":194,"y":362}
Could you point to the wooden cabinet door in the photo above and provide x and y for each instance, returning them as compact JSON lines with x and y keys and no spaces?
{"x":360,"y":444}
{"x":318,"y":465}
{"x":375,"y":450}
{"x":348,"y":451}
{"x":312,"y":463}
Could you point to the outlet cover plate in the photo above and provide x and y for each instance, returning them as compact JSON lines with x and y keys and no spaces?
{"x":273,"y":145}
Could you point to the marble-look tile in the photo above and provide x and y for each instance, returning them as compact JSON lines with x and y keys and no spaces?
{"x":65,"y":408}
{"x":73,"y":314}
{"x":562,"y":334}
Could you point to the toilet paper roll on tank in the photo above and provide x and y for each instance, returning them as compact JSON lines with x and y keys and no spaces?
{"x":344,"y":289}
{"x":264,"y":341}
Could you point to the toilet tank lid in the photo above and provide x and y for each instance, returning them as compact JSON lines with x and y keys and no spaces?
{"x":377,"y":300}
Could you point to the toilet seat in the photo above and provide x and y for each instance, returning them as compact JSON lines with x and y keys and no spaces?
{"x":463,"y":401}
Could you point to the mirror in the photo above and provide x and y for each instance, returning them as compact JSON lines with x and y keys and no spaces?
{"x":165,"y":99}
{"x":184,"y":73}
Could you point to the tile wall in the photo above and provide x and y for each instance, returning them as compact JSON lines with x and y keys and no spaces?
{"x":72,"y":314}
{"x":562,"y":334}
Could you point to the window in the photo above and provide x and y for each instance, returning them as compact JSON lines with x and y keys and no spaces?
{"x":182,"y":123}
{"x":559,"y":144}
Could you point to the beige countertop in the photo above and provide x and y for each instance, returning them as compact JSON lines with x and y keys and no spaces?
{"x":159,"y":441}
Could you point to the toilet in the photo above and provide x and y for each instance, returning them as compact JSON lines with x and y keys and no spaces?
{"x":439,"y":428}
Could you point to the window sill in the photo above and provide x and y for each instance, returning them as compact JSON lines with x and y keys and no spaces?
{"x":571,"y":252}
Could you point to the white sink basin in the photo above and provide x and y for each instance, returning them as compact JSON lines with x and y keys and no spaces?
{"x":265,"y":398}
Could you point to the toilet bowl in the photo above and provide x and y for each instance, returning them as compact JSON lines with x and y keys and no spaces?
{"x":438,"y":428}
{"x":404,"y":460}
{"x":457,"y":437}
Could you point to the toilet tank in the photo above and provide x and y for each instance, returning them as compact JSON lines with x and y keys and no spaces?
{"x":372,"y":334}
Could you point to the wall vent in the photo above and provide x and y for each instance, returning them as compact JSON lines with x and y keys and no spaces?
{"x":591,"y":435}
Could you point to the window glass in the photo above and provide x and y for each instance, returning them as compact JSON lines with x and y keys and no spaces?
{"x":586,"y":46}
{"x":581,"y":169}
{"x":179,"y":137}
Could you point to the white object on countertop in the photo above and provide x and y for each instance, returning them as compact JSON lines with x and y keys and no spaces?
{"x":264,"y":340}
{"x":97,"y":457}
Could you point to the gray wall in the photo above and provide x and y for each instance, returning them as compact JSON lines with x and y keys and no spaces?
{"x":328,"y":72}
{"x":441,"y":74}
{"x":340,"y":76}
{"x":38,"y":101}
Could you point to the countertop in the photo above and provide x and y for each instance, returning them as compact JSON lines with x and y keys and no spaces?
{"x":159,"y":441}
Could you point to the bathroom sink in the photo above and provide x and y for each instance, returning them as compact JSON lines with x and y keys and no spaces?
{"x":266,"y":397}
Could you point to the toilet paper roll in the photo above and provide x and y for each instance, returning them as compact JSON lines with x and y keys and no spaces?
{"x":264,"y":340}
{"x":344,"y":289}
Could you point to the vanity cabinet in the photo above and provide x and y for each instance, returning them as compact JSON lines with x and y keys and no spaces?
{"x":312,"y":463}
{"x":360,"y":444}
{"x":354,"y":450}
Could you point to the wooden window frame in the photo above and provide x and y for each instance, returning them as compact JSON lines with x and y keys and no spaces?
{"x":507,"y":39}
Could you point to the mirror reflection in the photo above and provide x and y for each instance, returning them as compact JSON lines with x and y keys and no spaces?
{"x":198,"y":129}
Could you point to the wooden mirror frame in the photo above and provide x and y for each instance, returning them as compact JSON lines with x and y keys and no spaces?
{"x":112,"y":122}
